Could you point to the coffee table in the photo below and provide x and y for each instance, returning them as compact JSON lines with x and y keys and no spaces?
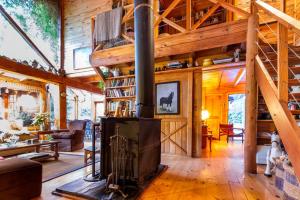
{"x":37,"y":145}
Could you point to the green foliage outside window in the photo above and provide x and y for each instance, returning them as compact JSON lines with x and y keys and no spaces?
{"x":45,"y":15}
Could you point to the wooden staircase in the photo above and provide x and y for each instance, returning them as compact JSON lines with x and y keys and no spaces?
{"x":277,"y":72}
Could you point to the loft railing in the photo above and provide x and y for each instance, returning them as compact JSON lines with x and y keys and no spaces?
{"x":276,"y":71}
{"x":162,"y":17}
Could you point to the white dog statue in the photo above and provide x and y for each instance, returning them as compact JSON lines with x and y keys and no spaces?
{"x":275,"y":152}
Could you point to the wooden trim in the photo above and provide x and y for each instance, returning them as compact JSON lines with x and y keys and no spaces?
{"x":10,"y":65}
{"x":24,"y":36}
{"x":284,"y":19}
{"x":206,"y":16}
{"x":232,"y":8}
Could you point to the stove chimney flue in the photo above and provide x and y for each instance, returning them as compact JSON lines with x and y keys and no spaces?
{"x":144,"y":58}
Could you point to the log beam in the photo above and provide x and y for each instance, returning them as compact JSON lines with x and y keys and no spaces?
{"x":12,"y":66}
{"x":251,"y":95}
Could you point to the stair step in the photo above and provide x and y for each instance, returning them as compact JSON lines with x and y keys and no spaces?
{"x":267,"y":49}
{"x":296,"y":95}
{"x":292,"y":82}
{"x":295,"y":112}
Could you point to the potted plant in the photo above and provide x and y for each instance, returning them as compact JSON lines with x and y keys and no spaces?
{"x":40,"y":120}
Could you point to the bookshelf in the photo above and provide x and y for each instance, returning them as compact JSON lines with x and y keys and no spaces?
{"x":120,"y":94}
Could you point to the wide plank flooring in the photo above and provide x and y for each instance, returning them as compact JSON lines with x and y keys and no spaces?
{"x":216,"y":176}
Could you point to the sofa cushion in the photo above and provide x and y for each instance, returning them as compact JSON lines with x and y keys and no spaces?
{"x":62,"y":135}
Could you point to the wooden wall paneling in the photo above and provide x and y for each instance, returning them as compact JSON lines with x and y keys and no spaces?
{"x":180,"y":142}
{"x":173,"y":137}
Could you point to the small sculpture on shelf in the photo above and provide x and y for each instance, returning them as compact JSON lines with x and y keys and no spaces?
{"x":274,"y":153}
{"x":236,"y":55}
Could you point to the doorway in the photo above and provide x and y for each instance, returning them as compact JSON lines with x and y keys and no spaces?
{"x":236,"y":110}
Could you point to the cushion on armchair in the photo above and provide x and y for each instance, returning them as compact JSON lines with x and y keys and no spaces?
{"x":62,"y":135}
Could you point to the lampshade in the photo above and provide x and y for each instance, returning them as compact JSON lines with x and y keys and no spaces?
{"x":204,"y":114}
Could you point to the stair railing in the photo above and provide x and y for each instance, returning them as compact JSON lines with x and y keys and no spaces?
{"x":273,"y":48}
{"x":278,"y":96}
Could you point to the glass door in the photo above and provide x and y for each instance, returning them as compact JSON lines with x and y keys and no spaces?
{"x":236,"y":110}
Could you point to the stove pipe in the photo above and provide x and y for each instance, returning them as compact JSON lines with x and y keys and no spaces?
{"x":144,"y":58}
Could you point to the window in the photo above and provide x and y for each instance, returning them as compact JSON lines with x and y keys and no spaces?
{"x":39,"y":20}
{"x":236,"y":110}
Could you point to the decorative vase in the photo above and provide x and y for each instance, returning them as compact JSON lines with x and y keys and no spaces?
{"x":42,"y":127}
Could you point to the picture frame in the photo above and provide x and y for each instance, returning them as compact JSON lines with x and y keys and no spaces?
{"x":81,"y":58}
{"x":167,"y":98}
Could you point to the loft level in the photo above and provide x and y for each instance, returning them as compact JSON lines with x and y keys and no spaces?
{"x":205,"y":38}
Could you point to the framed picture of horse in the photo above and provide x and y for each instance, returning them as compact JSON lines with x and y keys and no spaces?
{"x":167,"y":98}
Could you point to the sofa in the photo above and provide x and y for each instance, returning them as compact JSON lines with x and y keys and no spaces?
{"x":20,"y":179}
{"x":71,"y":139}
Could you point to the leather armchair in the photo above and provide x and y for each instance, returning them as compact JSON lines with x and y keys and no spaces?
{"x":71,"y":139}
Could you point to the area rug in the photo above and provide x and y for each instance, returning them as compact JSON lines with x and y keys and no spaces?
{"x":97,"y":191}
{"x":65,"y":164}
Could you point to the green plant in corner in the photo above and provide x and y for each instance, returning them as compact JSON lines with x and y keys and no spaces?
{"x":101,"y":85}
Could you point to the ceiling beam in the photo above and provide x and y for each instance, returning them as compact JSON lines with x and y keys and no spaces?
{"x":12,"y":66}
{"x":241,"y":73}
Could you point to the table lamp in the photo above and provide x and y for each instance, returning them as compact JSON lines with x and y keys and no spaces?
{"x":204,"y":116}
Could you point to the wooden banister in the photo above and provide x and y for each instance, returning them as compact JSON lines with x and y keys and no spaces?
{"x":284,"y":19}
{"x":283,"y":119}
{"x":282,"y":63}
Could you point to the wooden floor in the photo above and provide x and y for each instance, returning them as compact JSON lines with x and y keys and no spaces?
{"x":217,"y":176}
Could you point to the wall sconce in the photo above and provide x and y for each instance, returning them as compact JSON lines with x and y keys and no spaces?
{"x":6,"y":91}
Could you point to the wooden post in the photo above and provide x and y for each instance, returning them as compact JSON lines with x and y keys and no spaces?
{"x":156,"y":11}
{"x":282,"y":63}
{"x":62,"y":106}
{"x":6,"y":105}
{"x":188,"y":15}
{"x":251,"y":94}
{"x":197,"y":122}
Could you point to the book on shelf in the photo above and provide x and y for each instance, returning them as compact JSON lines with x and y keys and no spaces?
{"x":121,"y":82}
{"x":113,"y":105}
{"x":121,"y":92}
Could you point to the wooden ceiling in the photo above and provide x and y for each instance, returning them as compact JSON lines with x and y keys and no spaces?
{"x":224,"y":78}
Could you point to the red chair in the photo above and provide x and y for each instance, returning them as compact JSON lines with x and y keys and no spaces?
{"x":231,"y":132}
